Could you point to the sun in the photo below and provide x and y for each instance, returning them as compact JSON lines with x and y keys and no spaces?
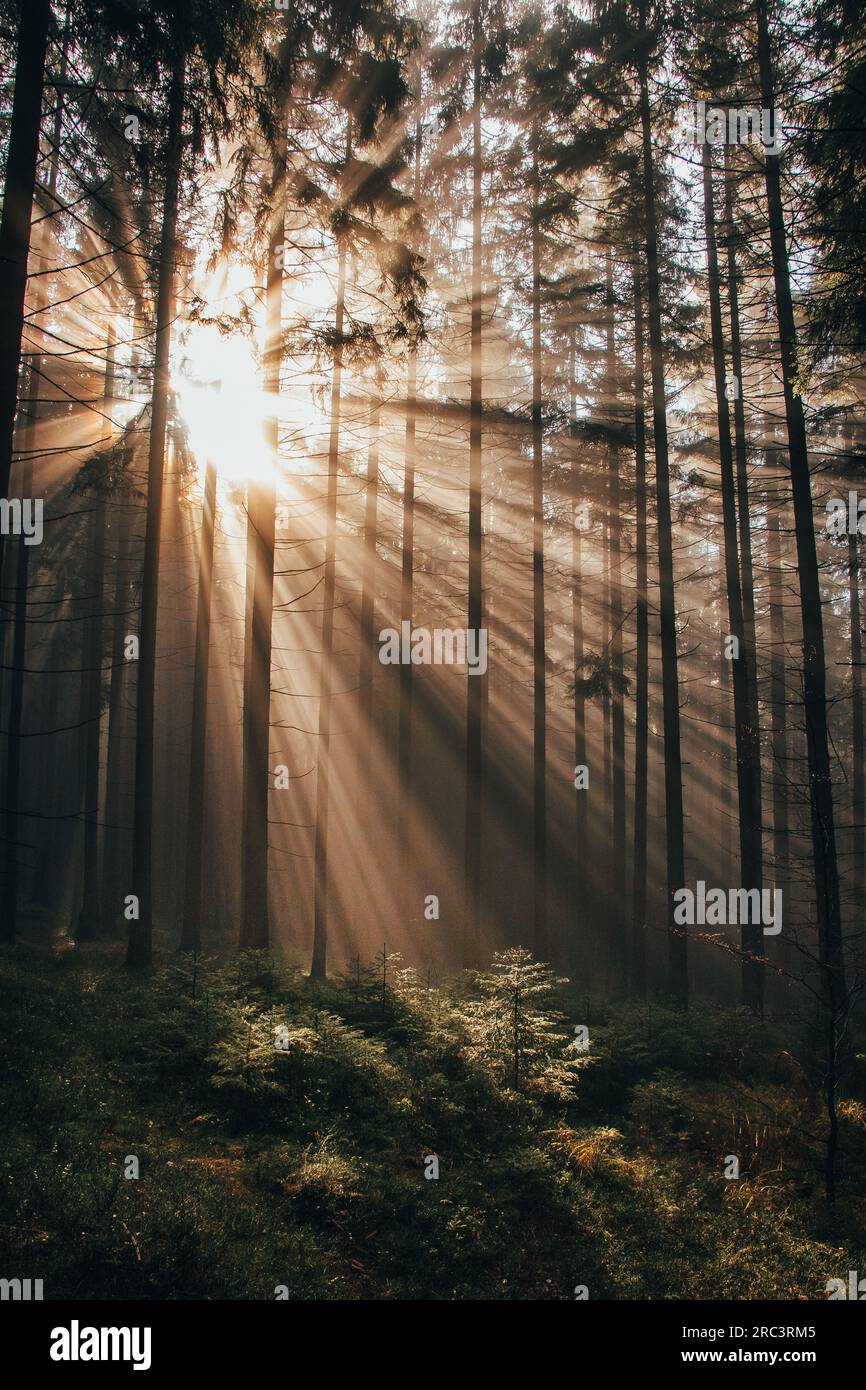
{"x":219,"y":390}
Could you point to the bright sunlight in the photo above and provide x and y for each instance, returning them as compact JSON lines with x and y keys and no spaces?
{"x":218,"y":385}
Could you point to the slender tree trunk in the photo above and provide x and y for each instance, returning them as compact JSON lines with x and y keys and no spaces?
{"x":90,"y":923}
{"x":368,"y":783}
{"x":619,"y":934}
{"x":641,"y":732}
{"x":581,"y":818}
{"x":778,"y":699}
{"x":19,"y":186}
{"x":261,"y":519}
{"x":46,"y":887}
{"x":678,"y":982}
{"x":41,"y":296}
{"x":407,"y":575}
{"x":475,"y":617}
{"x":116,"y":859}
{"x":319,"y":965}
{"x":12,"y":827}
{"x":404,"y":735}
{"x":539,"y":723}
{"x":249,"y":608}
{"x":368,"y":610}
{"x":15,"y":227}
{"x":727,"y":725}
{"x":741,"y":458}
{"x":119,"y":771}
{"x":140,"y":941}
{"x":858,"y":767}
{"x":261,"y":526}
{"x":191,"y":934}
{"x":746,"y":735}
{"x":606,"y":816}
{"x":814,"y":662}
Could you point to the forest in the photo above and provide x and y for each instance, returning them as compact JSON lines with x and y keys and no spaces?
{"x":497,"y":932}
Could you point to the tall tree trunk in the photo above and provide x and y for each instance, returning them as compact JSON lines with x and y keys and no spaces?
{"x":814,"y":663}
{"x":617,"y":619}
{"x":140,"y":941}
{"x":581,"y":818}
{"x":741,"y":458}
{"x":319,"y":965}
{"x":405,"y":819}
{"x":641,"y":731}
{"x":539,"y":668}
{"x":858,"y":767}
{"x":404,"y":734}
{"x":90,"y":923}
{"x":18,"y":189}
{"x":19,"y":635}
{"x":606,"y":812}
{"x":119,"y":770}
{"x":678,"y":981}
{"x":746,"y":735}
{"x":116,"y":858}
{"x":191,"y":934}
{"x":12,"y":828}
{"x":726,"y":728}
{"x":255,"y":931}
{"x":475,"y":615}
{"x":368,"y":610}
{"x":368,"y":783}
{"x":778,"y":700}
{"x":46,"y":889}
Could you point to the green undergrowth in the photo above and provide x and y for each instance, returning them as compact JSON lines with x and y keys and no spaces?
{"x":283,"y":1131}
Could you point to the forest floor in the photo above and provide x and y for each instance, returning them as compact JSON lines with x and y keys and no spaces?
{"x":300,"y":1172}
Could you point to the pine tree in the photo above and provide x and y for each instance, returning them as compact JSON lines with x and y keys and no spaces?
{"x":514,"y":1028}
